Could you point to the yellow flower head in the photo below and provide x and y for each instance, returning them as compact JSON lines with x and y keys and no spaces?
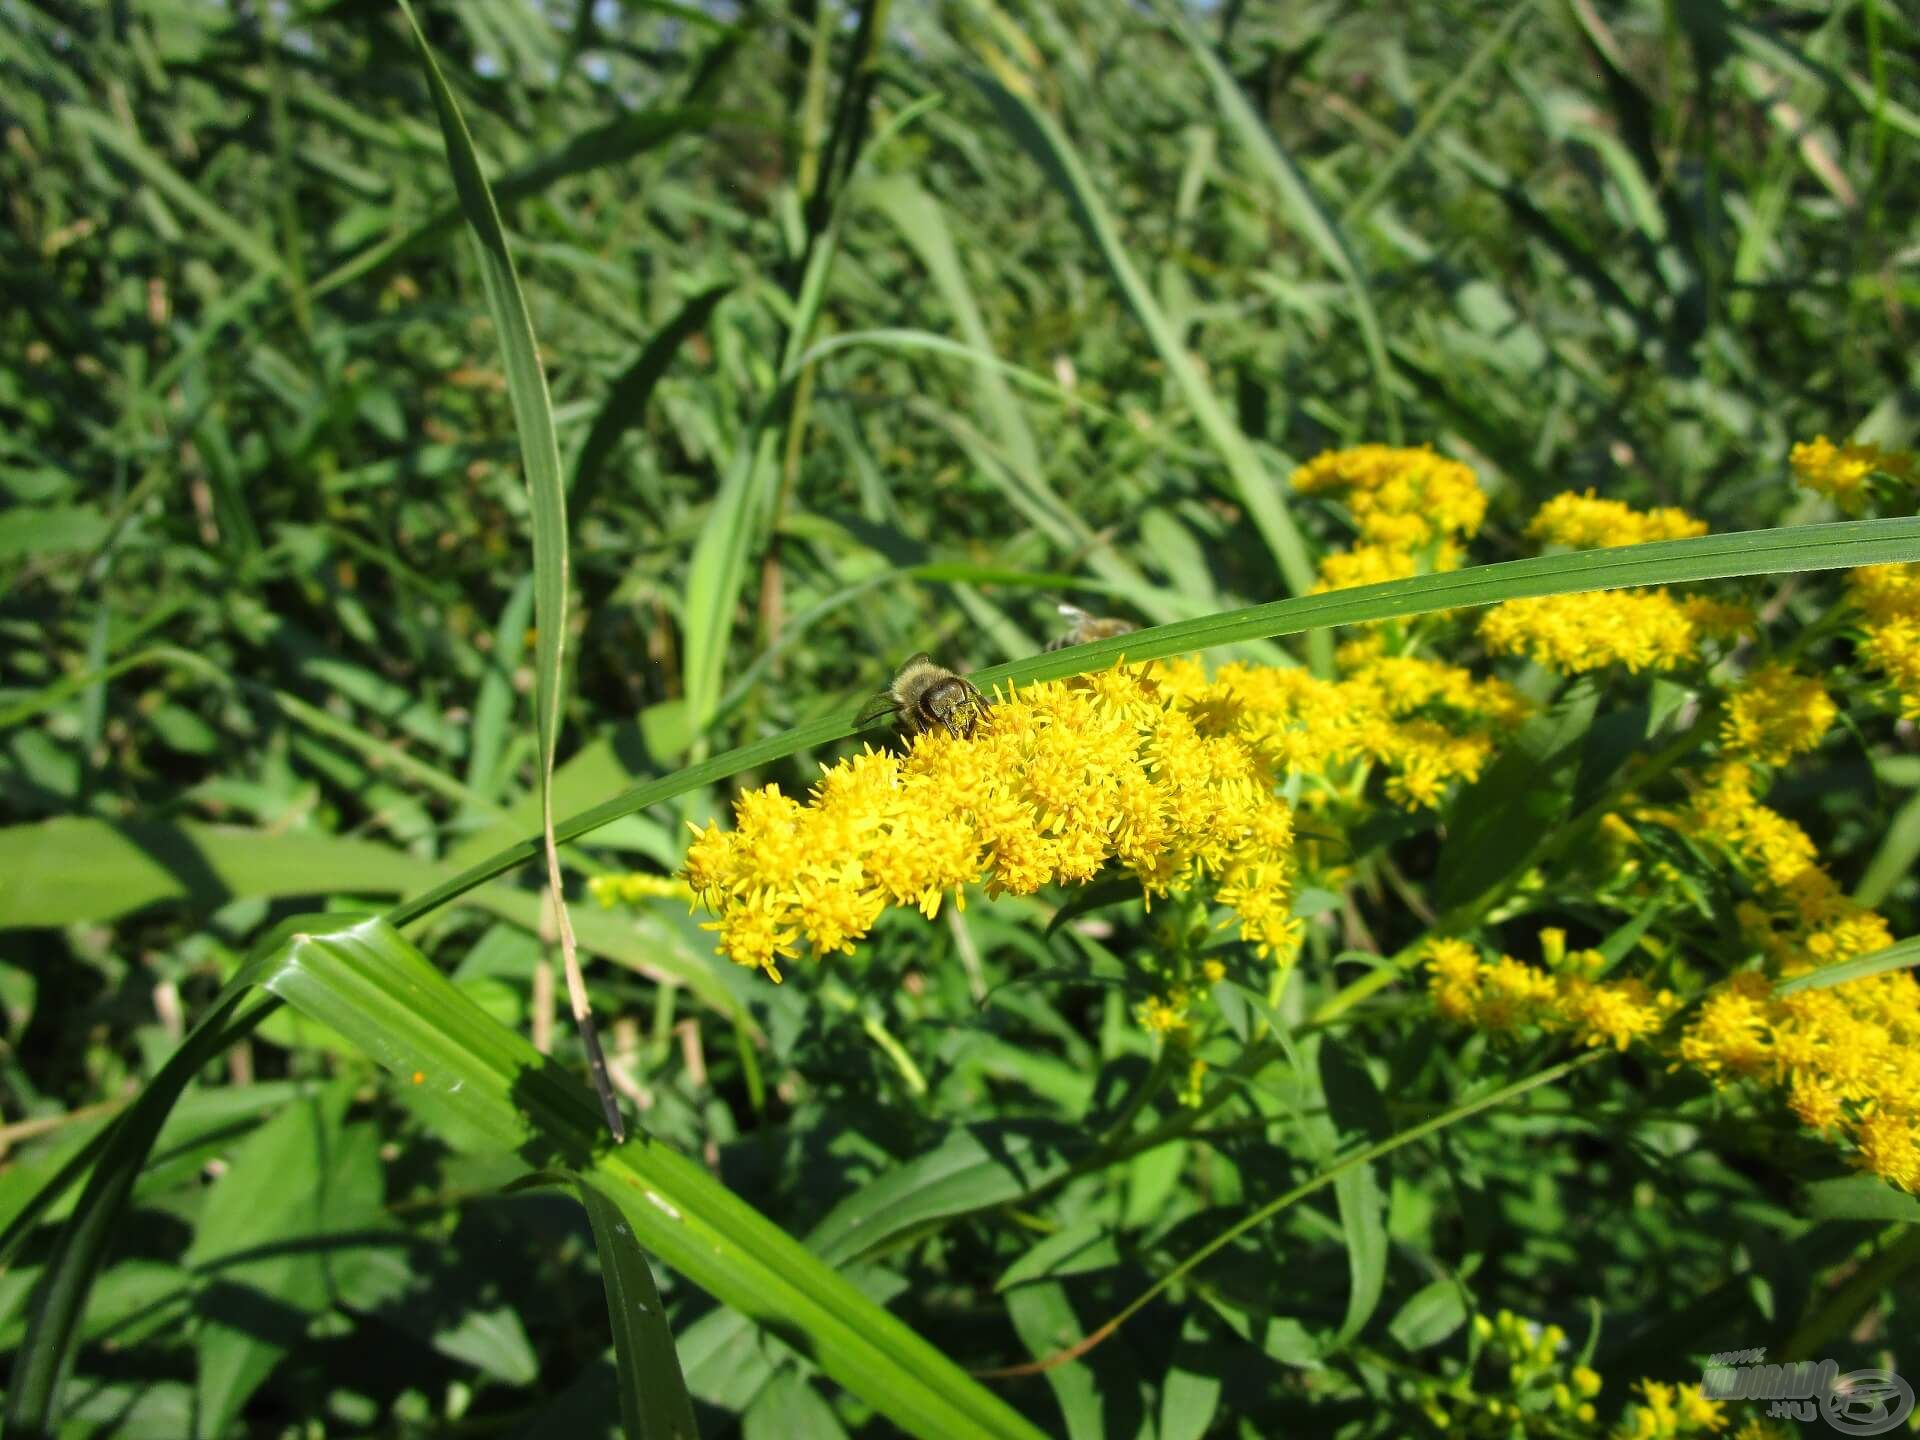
{"x":1066,"y":779}
{"x":1640,"y":629}
{"x":1409,"y":505}
{"x":1776,"y":715}
{"x":1586,"y":522}
{"x":1842,"y":471}
{"x":1889,"y":600}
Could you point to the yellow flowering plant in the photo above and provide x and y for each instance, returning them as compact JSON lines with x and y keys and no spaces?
{"x":1588,"y":773}
{"x":1400,"y":922}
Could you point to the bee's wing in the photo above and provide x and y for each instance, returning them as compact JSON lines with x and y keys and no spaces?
{"x":881,"y":704}
{"x":919,"y":657}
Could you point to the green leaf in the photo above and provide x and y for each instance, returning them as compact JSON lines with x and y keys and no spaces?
{"x":1858,"y":1197}
{"x":626,"y":403}
{"x":1902,"y":955}
{"x":373,"y":987}
{"x":1431,"y":1314}
{"x":258,"y":1246}
{"x":40,"y":1368}
{"x":1355,"y":1110}
{"x":66,"y":870}
{"x":1495,"y":823}
{"x":653,"y":1394}
{"x":1303,"y":207}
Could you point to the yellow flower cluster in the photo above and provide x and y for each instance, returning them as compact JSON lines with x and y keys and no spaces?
{"x":1543,"y":1395}
{"x":1640,"y":629}
{"x":1162,"y":770}
{"x":1888,"y":597}
{"x":1669,"y":1411}
{"x":1843,"y":471}
{"x":1427,"y":723}
{"x":1410,"y":506}
{"x":1062,"y":779}
{"x":1587,"y":522}
{"x":1776,"y":715}
{"x":1505,"y":994}
{"x":1807,"y":920}
{"x":1848,"y":1056}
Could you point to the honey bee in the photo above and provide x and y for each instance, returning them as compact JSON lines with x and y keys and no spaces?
{"x":1089,"y":628}
{"x":924,"y":695}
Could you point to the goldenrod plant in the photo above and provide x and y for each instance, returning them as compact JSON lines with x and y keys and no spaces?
{"x":1202,"y":717}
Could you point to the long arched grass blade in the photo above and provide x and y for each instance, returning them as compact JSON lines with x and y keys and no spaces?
{"x":1665,"y":562}
{"x":547,"y":494}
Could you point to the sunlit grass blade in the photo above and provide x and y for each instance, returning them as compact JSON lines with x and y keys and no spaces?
{"x":1331,"y":1175}
{"x":654,"y":1403}
{"x":1665,"y":562}
{"x":71,"y":870}
{"x":59,"y":1304}
{"x":378,"y":991}
{"x":1901,"y":956}
{"x":546,"y":490}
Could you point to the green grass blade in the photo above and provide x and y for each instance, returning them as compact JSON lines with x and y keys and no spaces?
{"x":1667,"y":562}
{"x":626,"y":402}
{"x":1901,"y":956}
{"x":72,"y":869}
{"x":1255,"y":488}
{"x":371,"y":985}
{"x":59,"y":1304}
{"x":1893,"y":861}
{"x":1303,"y":207}
{"x":654,"y":1403}
{"x":923,"y":225}
{"x":547,"y":494}
{"x":247,"y":243}
{"x":1358,"y":208}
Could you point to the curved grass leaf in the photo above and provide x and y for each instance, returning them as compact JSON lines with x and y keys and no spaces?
{"x":59,"y":1302}
{"x":67,"y":870}
{"x":1903,"y":955}
{"x":626,"y":401}
{"x":364,"y":980}
{"x":1665,"y":562}
{"x":547,"y":494}
{"x":382,"y":994}
{"x":654,"y":1404}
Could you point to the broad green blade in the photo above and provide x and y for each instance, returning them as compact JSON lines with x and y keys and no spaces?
{"x":371,"y":985}
{"x":654,"y":1403}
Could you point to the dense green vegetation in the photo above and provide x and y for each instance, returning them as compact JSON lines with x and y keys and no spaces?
{"x":871,"y":330}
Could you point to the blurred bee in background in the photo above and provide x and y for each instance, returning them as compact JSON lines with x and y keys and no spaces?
{"x":1089,"y":628}
{"x":924,"y":695}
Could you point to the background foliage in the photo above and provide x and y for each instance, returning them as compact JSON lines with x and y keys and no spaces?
{"x":268,"y":616}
